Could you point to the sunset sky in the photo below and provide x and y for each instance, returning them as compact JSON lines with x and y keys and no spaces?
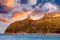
{"x":14,"y":10}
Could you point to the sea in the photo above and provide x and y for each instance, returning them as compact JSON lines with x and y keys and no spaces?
{"x":29,"y":36}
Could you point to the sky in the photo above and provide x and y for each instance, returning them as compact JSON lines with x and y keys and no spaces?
{"x":15,"y":10}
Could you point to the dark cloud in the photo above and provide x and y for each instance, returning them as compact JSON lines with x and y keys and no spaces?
{"x":4,"y":9}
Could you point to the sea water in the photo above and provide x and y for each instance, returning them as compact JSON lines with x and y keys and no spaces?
{"x":29,"y":37}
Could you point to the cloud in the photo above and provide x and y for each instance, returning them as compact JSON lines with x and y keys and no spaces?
{"x":3,"y":19}
{"x":32,"y":2}
{"x":1,"y":2}
{"x":50,"y":7}
{"x":8,"y":3}
{"x":3,"y":26}
{"x":19,"y":15}
{"x":35,"y":14}
{"x":4,"y":9}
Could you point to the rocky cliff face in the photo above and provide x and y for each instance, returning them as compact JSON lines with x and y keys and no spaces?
{"x":44,"y":25}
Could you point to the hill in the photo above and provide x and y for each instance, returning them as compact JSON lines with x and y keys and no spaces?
{"x":48,"y":24}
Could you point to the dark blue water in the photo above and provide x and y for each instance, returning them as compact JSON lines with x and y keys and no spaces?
{"x":29,"y":37}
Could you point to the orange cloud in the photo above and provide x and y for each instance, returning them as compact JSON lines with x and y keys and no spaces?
{"x":19,"y":15}
{"x":23,"y":14}
{"x":3,"y":19}
{"x":8,"y":3}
